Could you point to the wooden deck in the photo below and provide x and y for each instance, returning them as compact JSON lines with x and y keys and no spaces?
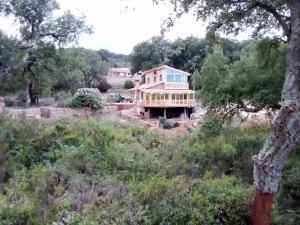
{"x":167,"y":103}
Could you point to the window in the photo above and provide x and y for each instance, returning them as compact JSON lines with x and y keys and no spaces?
{"x":185,"y":96}
{"x":175,"y":77}
{"x":166,"y":96}
{"x":160,"y":78}
{"x":170,"y":77}
{"x":148,"y":80}
{"x":155,"y":79}
{"x":191,"y":96}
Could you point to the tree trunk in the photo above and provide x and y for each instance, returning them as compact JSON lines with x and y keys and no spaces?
{"x":285,"y":132}
{"x":31,"y":95}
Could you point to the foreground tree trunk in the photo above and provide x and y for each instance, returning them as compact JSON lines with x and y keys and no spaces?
{"x":32,"y":97}
{"x":285,"y":132}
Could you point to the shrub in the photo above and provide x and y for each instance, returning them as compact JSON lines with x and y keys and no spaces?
{"x":211,"y":127}
{"x":128,"y":84}
{"x":166,"y":124}
{"x":87,"y":97}
{"x":103,"y":85}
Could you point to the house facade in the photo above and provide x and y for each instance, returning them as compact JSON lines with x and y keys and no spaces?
{"x":123,"y":72}
{"x":165,"y":92}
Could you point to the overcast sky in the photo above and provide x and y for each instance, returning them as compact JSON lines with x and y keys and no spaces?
{"x":121,"y":24}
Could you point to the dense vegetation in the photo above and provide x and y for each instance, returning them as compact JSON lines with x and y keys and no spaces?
{"x":251,"y":83}
{"x":88,"y":171}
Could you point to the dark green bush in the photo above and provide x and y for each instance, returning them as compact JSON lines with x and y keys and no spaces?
{"x":128,"y":84}
{"x":211,"y":126}
{"x":103,"y":85}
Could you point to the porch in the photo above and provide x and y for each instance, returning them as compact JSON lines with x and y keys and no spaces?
{"x":167,"y":98}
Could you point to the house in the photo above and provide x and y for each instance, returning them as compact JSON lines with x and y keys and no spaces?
{"x":124,"y":72}
{"x":165,"y":92}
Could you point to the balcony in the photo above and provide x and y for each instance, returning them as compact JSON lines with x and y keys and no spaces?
{"x":184,"y":98}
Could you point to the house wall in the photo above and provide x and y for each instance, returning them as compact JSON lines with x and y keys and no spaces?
{"x":155,"y":76}
{"x":158,"y":76}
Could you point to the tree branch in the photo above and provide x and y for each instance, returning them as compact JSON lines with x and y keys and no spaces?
{"x":278,"y":17}
{"x":243,"y":106}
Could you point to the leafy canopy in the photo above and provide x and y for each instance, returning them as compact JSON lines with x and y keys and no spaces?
{"x":249,"y":84}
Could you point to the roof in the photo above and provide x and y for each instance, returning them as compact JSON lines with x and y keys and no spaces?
{"x":146,"y":86}
{"x":166,"y":67}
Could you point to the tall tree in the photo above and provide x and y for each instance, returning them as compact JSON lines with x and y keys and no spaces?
{"x":38,"y":28}
{"x":149,"y":54}
{"x":232,"y":17}
{"x":186,"y":54}
{"x":252,"y":83}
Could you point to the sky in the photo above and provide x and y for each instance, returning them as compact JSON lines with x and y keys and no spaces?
{"x":121,"y":24}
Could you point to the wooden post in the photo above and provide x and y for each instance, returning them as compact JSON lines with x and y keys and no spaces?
{"x":165,"y":113}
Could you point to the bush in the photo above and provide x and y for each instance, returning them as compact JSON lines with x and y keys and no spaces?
{"x":211,"y":127}
{"x":87,"y":97}
{"x":103,"y":85}
{"x":128,"y":84}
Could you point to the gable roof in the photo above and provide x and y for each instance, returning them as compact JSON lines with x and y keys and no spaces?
{"x":166,"y":67}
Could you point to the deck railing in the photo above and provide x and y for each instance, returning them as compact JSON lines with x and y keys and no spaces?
{"x":177,"y":102}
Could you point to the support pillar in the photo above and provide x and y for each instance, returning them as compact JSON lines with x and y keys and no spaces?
{"x":165,"y":113}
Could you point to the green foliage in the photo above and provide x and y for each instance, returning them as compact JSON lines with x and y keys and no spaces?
{"x":102,"y":84}
{"x":233,"y":17}
{"x":88,"y":170}
{"x":288,"y":197}
{"x":211,"y":127}
{"x":111,"y":59}
{"x":209,"y":201}
{"x":256,"y":78}
{"x":128,"y":84}
{"x":167,"y":124}
{"x":38,"y":44}
{"x":213,"y":74}
{"x":184,"y":54}
{"x":87,"y":97}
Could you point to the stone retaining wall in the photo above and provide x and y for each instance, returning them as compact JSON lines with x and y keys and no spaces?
{"x":57,"y":113}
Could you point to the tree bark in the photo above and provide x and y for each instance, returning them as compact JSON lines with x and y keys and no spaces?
{"x":285,"y":132}
{"x":32,"y":97}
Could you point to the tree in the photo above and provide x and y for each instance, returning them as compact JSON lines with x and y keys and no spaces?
{"x":186,"y":54}
{"x":252,"y":83}
{"x":38,"y":28}
{"x":212,"y":75}
{"x":284,"y":15}
{"x":149,"y":54}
